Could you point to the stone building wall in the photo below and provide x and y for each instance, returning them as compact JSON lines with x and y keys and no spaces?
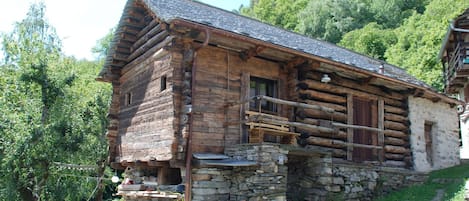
{"x":320,"y":179}
{"x":444,"y":151}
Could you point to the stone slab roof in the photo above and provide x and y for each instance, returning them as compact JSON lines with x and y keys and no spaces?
{"x":168,"y":10}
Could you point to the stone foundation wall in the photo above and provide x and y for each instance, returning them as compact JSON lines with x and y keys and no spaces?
{"x":268,"y":181}
{"x":319,"y":178}
{"x":211,"y":184}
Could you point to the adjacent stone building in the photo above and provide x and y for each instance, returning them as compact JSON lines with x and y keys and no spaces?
{"x":211,"y":105}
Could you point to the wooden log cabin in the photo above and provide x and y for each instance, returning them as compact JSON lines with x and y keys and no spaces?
{"x":454,"y":55}
{"x":191,"y":81}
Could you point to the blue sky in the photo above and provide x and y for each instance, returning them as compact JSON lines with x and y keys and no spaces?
{"x":81,"y":23}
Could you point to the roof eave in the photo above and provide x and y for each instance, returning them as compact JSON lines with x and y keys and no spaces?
{"x":195,"y":25}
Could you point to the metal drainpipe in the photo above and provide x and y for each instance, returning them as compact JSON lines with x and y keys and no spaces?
{"x":188,"y":186}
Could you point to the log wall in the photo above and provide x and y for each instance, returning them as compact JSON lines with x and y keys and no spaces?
{"x":337,"y":95}
{"x":146,"y":100}
{"x":219,"y":77}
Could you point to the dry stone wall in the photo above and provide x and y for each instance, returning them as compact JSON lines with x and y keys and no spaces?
{"x":444,"y":134}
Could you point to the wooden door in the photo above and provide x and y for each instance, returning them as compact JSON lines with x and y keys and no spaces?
{"x":365,"y":113}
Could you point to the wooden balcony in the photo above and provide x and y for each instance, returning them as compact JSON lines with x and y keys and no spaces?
{"x":456,"y":68}
{"x":260,"y":124}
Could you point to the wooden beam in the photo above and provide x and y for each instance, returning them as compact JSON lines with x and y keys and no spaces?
{"x":349,"y":130}
{"x":341,"y":125}
{"x":381,"y":127}
{"x":252,"y":52}
{"x":296,"y":104}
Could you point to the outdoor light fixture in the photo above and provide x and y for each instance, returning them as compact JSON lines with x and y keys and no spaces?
{"x":325,"y":78}
{"x":115,"y":179}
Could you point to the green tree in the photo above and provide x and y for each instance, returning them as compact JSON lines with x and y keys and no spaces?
{"x":419,"y":40}
{"x":282,"y":13}
{"x":371,"y":40}
{"x":51,"y":110}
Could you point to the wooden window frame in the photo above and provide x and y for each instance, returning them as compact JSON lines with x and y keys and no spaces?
{"x":271,"y":90}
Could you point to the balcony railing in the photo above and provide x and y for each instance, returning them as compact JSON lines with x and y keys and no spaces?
{"x":456,"y":67}
{"x":260,"y":123}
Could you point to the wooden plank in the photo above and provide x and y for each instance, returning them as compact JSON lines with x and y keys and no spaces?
{"x":296,"y":104}
{"x":244,"y":95}
{"x":395,"y":149}
{"x":264,"y":125}
{"x":381,"y":117}
{"x":338,"y":143}
{"x":355,"y":85}
{"x":395,"y":110}
{"x":317,"y":114}
{"x":350,"y":122}
{"x":322,"y":96}
{"x":336,"y":107}
{"x":341,"y":125}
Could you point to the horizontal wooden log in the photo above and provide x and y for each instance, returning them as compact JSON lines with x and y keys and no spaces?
{"x":340,"y":125}
{"x":154,"y":41}
{"x":326,"y":142}
{"x":357,"y":85}
{"x":396,"y":118}
{"x":297,"y":104}
{"x":336,"y":107}
{"x":395,"y":110}
{"x":395,"y":126}
{"x":396,"y":134}
{"x":322,"y":96}
{"x":317,"y":114}
{"x":395,"y":103}
{"x":397,"y":157}
{"x":146,"y":37}
{"x":324,"y":132}
{"x":337,"y":143}
{"x":394,"y":141}
{"x":343,"y":90}
{"x":150,"y":25}
{"x":395,"y":149}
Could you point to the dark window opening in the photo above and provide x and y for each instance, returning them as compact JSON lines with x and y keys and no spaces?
{"x":266,"y":87}
{"x":163,"y":83}
{"x":128,"y":98}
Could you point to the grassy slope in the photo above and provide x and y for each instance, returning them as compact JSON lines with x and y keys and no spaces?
{"x":451,"y":180}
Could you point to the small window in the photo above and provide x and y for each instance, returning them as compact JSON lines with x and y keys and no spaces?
{"x":266,"y":87}
{"x":429,"y":141}
{"x":163,"y":83}
{"x":128,"y":98}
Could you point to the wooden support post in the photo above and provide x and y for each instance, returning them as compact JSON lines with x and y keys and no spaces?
{"x":381,"y":127}
{"x":162,"y":175}
{"x":245,"y":80}
{"x":350,"y":122}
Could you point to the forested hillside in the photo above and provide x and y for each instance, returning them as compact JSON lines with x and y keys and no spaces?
{"x":406,"y":33}
{"x":52,"y":117}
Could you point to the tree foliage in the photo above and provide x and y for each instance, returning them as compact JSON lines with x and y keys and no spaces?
{"x":52,"y":112}
{"x":419,"y":40}
{"x":406,"y":33}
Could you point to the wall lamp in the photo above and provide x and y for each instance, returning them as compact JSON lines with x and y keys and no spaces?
{"x":325,"y":78}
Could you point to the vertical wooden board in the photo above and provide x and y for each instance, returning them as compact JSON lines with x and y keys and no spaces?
{"x":350,"y":122}
{"x":381,"y":126}
{"x":245,"y":81}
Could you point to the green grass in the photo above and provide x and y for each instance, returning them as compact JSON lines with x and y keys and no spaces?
{"x":451,"y":180}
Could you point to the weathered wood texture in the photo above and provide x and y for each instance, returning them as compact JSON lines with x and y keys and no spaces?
{"x":394,"y":126}
{"x":147,"y":111}
{"x":218,"y":82}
